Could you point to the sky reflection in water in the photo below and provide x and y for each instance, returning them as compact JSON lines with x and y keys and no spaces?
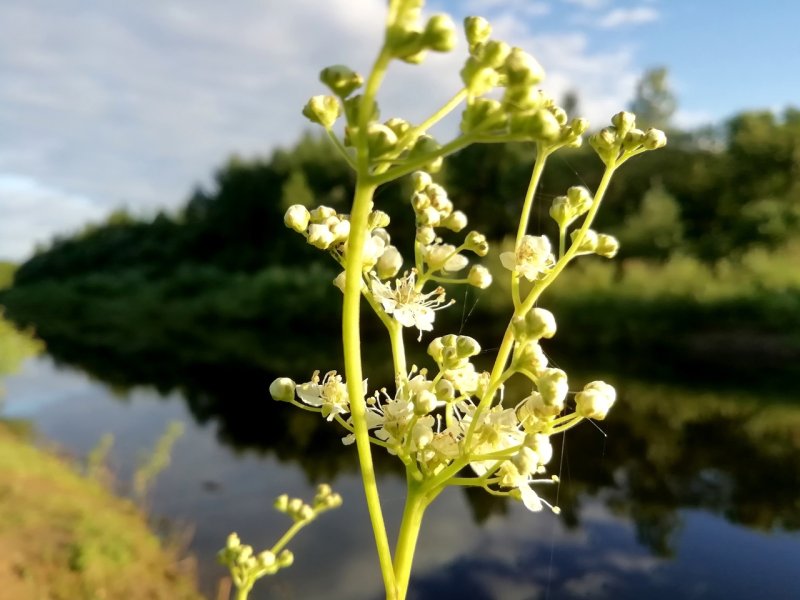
{"x":213,"y":489}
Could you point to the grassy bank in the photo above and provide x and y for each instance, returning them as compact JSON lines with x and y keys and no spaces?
{"x":64,"y":537}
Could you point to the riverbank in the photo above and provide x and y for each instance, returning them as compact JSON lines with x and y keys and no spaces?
{"x":66,"y":537}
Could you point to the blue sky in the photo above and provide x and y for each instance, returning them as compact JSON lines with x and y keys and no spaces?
{"x":108,"y":104}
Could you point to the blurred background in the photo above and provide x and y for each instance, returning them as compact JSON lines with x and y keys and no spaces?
{"x":148,"y":152}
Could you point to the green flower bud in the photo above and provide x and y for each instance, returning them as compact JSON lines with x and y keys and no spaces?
{"x":420,"y":180}
{"x":266,"y":560}
{"x":654,"y":139}
{"x":588,"y":243}
{"x":484,"y":114}
{"x":624,"y":122}
{"x":435,"y":349}
{"x":406,"y":43}
{"x":561,"y":211}
{"x":282,"y":503}
{"x":540,"y":323}
{"x":440,"y":33}
{"x":542,"y":125}
{"x":352,"y":109}
{"x":494,"y":53}
{"x":424,"y":402}
{"x":560,"y":114}
{"x":398,"y":125}
{"x":633,"y":139}
{"x":522,"y":69}
{"x":285,"y":559}
{"x":578,"y":126}
{"x":380,"y":139}
{"x":477,"y":30}
{"x":444,"y":390}
{"x":425,"y":235}
{"x":477,"y":78}
{"x":297,"y":218}
{"x":607,"y":245}
{"x":580,"y":199}
{"x":532,"y":357}
{"x":378,"y":219}
{"x":426,"y":145}
{"x":476,"y":242}
{"x":467,"y":346}
{"x":605,"y":144}
{"x":342,"y":80}
{"x":233,"y":542}
{"x":323,"y":110}
{"x":321,"y":214}
{"x":455,"y":221}
{"x":479,"y":277}
{"x":282,"y":389}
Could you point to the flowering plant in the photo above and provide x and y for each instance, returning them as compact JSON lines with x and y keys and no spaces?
{"x":448,"y":424}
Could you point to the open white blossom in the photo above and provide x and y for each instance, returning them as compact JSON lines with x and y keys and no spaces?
{"x":532,"y":257}
{"x":404,"y":302}
{"x":330,"y":394}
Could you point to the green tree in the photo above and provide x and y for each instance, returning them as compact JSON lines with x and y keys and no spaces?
{"x":654,"y":102}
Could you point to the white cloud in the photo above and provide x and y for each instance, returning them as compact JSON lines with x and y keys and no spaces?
{"x":588,"y":4}
{"x":32,"y":213}
{"x":628,"y":16}
{"x":134,"y":103}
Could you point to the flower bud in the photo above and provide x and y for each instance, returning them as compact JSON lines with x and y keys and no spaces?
{"x":297,"y":217}
{"x":539,"y":125}
{"x":323,"y":110}
{"x":595,"y":400}
{"x":444,"y":390}
{"x":553,"y":387}
{"x":607,"y":245}
{"x":321,"y":214}
{"x":526,"y":461}
{"x":484,"y":114}
{"x":467,"y":346}
{"x":540,"y":323}
{"x":532,"y":357}
{"x":588,"y":243}
{"x":479,"y":277}
{"x":579,"y":199}
{"x":440,"y":34}
{"x":561,"y":211}
{"x":342,"y":80}
{"x":456,"y":221}
{"x":604,"y":143}
{"x":425,"y":402}
{"x":282,"y":503}
{"x":339,"y":281}
{"x":522,"y":69}
{"x":378,"y":219}
{"x":266,"y":559}
{"x":477,"y":30}
{"x":435,"y":349}
{"x":633,"y":139}
{"x":494,"y":53}
{"x":476,"y":242}
{"x":477,"y":78}
{"x":282,"y":389}
{"x":624,"y":122}
{"x":398,"y":125}
{"x":578,"y":126}
{"x":420,"y":180}
{"x":285,"y":558}
{"x":352,"y":109}
{"x":389,"y":263}
{"x":654,"y":139}
{"x":233,"y":542}
{"x":380,"y":139}
{"x":425,"y":235}
{"x":320,"y":236}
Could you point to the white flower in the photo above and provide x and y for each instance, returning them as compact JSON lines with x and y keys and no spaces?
{"x":330,"y":395}
{"x":410,"y":307}
{"x":532,"y":257}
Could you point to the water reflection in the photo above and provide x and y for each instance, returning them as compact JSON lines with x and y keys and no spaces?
{"x":673,"y":498}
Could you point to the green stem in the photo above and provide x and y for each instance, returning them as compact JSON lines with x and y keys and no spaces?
{"x":351,"y":335}
{"x":416,"y":503}
{"x":242,"y":593}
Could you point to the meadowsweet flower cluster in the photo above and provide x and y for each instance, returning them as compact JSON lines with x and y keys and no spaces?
{"x":450,"y":421}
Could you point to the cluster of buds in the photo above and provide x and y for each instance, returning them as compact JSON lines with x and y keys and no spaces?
{"x":565,"y":209}
{"x":601,"y":244}
{"x":433,"y":209}
{"x":408,"y":40}
{"x":623,"y":140}
{"x":524,"y":110}
{"x":325,"y":229}
{"x":301,"y":512}
{"x":247,"y":567}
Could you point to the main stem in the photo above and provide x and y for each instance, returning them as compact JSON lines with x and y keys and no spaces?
{"x":351,"y":336}
{"x":416,"y":503}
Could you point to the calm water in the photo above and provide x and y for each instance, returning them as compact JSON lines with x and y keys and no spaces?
{"x":686,"y":494}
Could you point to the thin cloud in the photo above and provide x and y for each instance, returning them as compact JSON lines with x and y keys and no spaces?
{"x":628,"y":16}
{"x":588,"y":4}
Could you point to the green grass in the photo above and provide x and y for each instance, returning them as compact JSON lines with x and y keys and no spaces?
{"x":65,"y":537}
